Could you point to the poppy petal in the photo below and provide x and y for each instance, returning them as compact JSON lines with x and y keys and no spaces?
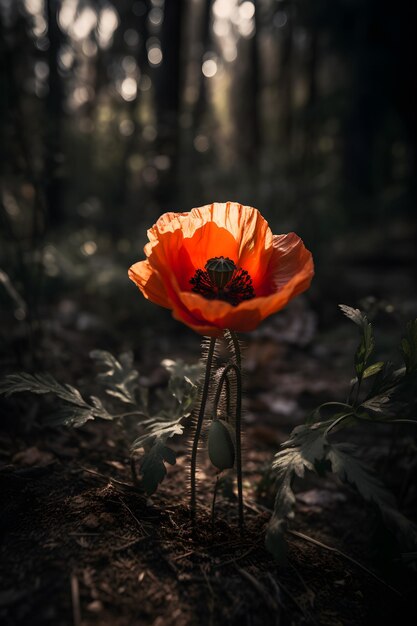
{"x":150,"y":283}
{"x":180,"y":243}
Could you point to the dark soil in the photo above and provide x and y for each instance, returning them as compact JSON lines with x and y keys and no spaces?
{"x":83,"y":547}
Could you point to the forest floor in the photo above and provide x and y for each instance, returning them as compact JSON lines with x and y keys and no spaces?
{"x":82,"y":547}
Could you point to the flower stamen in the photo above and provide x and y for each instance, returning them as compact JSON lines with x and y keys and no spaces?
{"x":222,"y":280}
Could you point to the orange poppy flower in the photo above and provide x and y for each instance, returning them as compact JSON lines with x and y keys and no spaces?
{"x":220,"y":267}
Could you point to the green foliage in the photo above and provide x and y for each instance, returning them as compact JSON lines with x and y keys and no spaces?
{"x":176,"y":408}
{"x":367,"y":342}
{"x":76,"y":414}
{"x":373,"y":369}
{"x":409,"y":347}
{"x":350,"y":469}
{"x":183,"y":382}
{"x":118,"y":377}
{"x":153,"y":466}
{"x":309,"y":448}
{"x":121,"y":381}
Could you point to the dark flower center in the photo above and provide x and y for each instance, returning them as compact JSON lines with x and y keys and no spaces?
{"x":222,"y":280}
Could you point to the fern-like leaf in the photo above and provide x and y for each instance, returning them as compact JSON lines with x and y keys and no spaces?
{"x":75,"y":414}
{"x":41,"y":384}
{"x":118,"y":377}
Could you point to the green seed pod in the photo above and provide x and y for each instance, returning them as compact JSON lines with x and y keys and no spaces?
{"x":221,"y":447}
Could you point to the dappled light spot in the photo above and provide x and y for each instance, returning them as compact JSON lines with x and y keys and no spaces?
{"x":162,"y":162}
{"x":80,"y":96}
{"x":209,"y":68}
{"x":67,"y":14}
{"x":128,"y":89}
{"x":83,"y":24}
{"x":145,"y":83}
{"x":156,"y":16}
{"x":229,"y":51}
{"x":126,"y":128}
{"x":223,"y":8}
{"x":89,"y":248}
{"x":246,"y":10}
{"x":40,"y":27}
{"x":135,"y":163}
{"x":155,"y":55}
{"x":201,"y":143}
{"x":108,"y":22}
{"x":89,"y":48}
{"x":11,"y":207}
{"x":34,"y":7}
{"x":129,"y":64}
{"x":41,"y":70}
{"x":66,"y":58}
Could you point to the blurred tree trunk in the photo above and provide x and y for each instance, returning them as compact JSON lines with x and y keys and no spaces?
{"x":310,"y":120}
{"x":134,"y":141}
{"x":205,"y":39}
{"x":286,"y":83}
{"x":168,"y":80}
{"x":245,"y":102}
{"x":53,"y":154}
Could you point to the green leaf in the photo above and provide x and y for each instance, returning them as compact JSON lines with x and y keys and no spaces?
{"x":349,"y":469}
{"x":378,"y":404}
{"x":153,"y":466}
{"x":364,"y":350}
{"x":367,"y":343}
{"x":183,"y":382}
{"x":79,"y":411}
{"x":158,"y":429}
{"x":69,"y":416}
{"x":99,"y":409}
{"x":177,"y":404}
{"x":179,"y":370}
{"x":373,"y":369}
{"x":118,"y":376}
{"x":305,"y":447}
{"x":40,"y":384}
{"x":355,"y":315}
{"x":408,"y":346}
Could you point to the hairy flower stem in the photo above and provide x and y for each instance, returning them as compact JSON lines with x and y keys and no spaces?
{"x":224,"y":378}
{"x":238,"y":425}
{"x":232,"y":367}
{"x":204,"y":396}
